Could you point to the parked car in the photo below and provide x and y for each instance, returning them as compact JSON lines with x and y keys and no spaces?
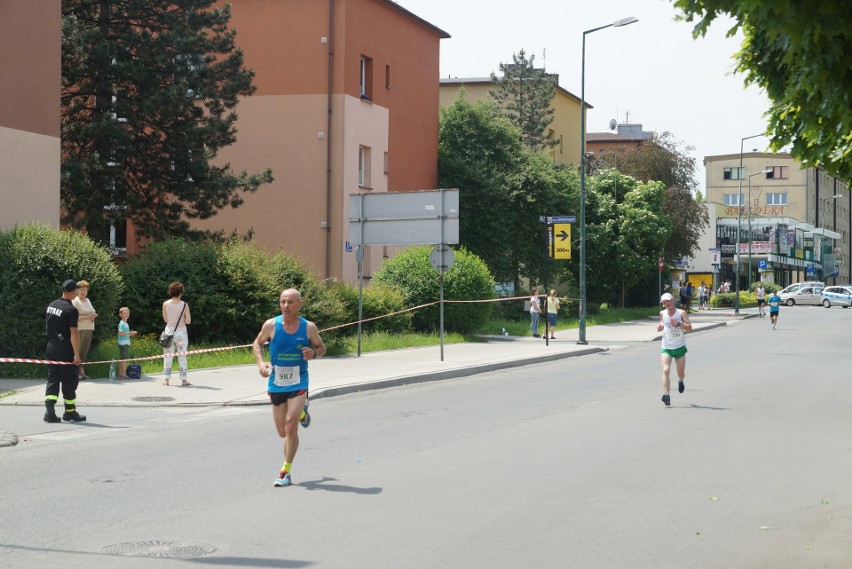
{"x":796,"y":286}
{"x":804,"y":294}
{"x":837,"y":296}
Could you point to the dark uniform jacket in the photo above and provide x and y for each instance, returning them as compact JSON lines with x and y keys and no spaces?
{"x":60,"y":317}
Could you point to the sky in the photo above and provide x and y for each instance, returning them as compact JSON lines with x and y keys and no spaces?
{"x":651,"y":72}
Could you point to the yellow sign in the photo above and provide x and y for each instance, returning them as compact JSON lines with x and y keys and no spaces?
{"x":560,"y":241}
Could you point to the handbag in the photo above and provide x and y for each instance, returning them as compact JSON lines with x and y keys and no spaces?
{"x":167,"y":338}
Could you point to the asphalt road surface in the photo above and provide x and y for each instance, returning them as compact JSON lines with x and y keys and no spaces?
{"x":574,"y":463}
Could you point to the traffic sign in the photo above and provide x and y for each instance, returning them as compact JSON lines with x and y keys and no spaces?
{"x":562,"y":219}
{"x":559,"y":240}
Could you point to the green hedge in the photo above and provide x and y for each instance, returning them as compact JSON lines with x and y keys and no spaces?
{"x":468,"y":279}
{"x":378,"y":299}
{"x":36,"y":260}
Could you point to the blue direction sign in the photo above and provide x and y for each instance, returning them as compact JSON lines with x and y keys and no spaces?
{"x":761,"y":264}
{"x":811,"y":270}
{"x":562,"y":219}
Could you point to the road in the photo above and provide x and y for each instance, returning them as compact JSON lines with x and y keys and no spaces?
{"x":574,"y":463}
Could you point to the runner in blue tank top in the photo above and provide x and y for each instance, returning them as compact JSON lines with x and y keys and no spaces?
{"x":293,"y":341}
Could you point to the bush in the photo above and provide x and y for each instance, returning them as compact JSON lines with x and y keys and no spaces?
{"x":378,"y":299}
{"x":728,"y":299}
{"x":36,"y":260}
{"x":231,"y":288}
{"x":468,"y":279}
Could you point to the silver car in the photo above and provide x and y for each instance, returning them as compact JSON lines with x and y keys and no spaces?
{"x":805,"y":294}
{"x":837,"y":296}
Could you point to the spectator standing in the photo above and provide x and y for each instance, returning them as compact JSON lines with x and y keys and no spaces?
{"x":63,"y":345}
{"x":552,"y":312}
{"x":85,"y":324}
{"x":176,"y":316}
{"x":124,"y":335}
{"x":535,"y":312}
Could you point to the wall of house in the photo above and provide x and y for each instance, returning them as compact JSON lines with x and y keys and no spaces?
{"x":566,"y":115}
{"x":29,"y":111}
{"x":284,"y":126}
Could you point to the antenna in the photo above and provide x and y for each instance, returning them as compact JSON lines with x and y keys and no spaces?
{"x":613,"y":124}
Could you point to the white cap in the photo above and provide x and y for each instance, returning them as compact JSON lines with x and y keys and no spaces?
{"x":666,"y":296}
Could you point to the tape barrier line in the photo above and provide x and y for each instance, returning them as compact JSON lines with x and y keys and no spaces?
{"x":224,"y":348}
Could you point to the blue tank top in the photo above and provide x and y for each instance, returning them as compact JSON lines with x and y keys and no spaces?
{"x":289,"y":367}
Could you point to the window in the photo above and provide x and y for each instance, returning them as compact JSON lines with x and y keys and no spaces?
{"x":387,"y":76}
{"x":732,"y":174}
{"x":732,"y":199}
{"x":776,"y":199}
{"x":364,"y":167}
{"x":776,"y":172}
{"x":386,"y":162}
{"x":366,"y":78}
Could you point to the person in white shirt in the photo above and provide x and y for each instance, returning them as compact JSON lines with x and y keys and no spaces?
{"x":674,"y":324}
{"x":535,"y":312}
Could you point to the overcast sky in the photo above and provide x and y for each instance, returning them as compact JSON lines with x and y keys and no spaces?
{"x":651,"y":72}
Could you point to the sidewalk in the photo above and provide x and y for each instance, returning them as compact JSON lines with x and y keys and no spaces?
{"x":243,"y":385}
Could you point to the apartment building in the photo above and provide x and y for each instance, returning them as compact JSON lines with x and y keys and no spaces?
{"x":346,"y":102}
{"x":793,"y":223}
{"x":565,"y":128}
{"x":30,"y":34}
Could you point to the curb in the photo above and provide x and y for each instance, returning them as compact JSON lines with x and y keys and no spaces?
{"x":447,"y":374}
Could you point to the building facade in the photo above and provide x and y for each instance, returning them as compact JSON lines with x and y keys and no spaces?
{"x":346,"y":102}
{"x":787,"y":223}
{"x":30,"y":41}
{"x":564,"y":129}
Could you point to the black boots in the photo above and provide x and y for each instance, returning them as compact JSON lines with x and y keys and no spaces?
{"x":50,"y":414}
{"x":73,"y":416}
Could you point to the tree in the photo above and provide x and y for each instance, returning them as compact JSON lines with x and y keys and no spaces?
{"x":149,"y":89}
{"x":798,"y":51}
{"x":662,"y":158}
{"x":626,"y":229}
{"x":525,"y":94}
{"x":503,"y":188}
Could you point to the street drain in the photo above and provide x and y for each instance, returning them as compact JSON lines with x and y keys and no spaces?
{"x":156,"y":548}
{"x":153,"y":399}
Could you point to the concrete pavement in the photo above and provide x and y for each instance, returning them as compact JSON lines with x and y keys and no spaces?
{"x":243,"y":385}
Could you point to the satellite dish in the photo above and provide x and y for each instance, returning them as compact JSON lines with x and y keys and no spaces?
{"x":613,"y":124}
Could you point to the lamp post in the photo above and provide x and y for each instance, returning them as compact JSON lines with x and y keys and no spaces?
{"x":582,"y":324}
{"x":739,"y":223}
{"x":766,"y":171}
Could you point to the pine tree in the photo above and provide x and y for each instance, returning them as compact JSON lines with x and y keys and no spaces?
{"x":149,"y":89}
{"x":525,"y":93}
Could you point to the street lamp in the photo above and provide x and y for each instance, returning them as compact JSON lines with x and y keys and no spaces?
{"x":582,"y":326}
{"x":739,"y":222}
{"x":766,"y":171}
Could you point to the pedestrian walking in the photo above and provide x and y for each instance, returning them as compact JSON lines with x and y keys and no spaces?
{"x":293,"y":341}
{"x":674,"y":324}
{"x":63,"y":345}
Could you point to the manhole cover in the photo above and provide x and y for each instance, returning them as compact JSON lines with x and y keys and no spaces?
{"x":153,"y":399}
{"x":156,"y":548}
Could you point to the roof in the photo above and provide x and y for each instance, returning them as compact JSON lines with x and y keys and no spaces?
{"x":438,"y":31}
{"x":482,"y":80}
{"x":613,"y":137}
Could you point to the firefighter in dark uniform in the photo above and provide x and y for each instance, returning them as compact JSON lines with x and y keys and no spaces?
{"x":63,"y":345}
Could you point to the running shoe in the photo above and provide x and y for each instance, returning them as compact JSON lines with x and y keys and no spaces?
{"x":680,"y":386}
{"x":305,"y":419}
{"x":666,"y":399}
{"x":283,"y":479}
